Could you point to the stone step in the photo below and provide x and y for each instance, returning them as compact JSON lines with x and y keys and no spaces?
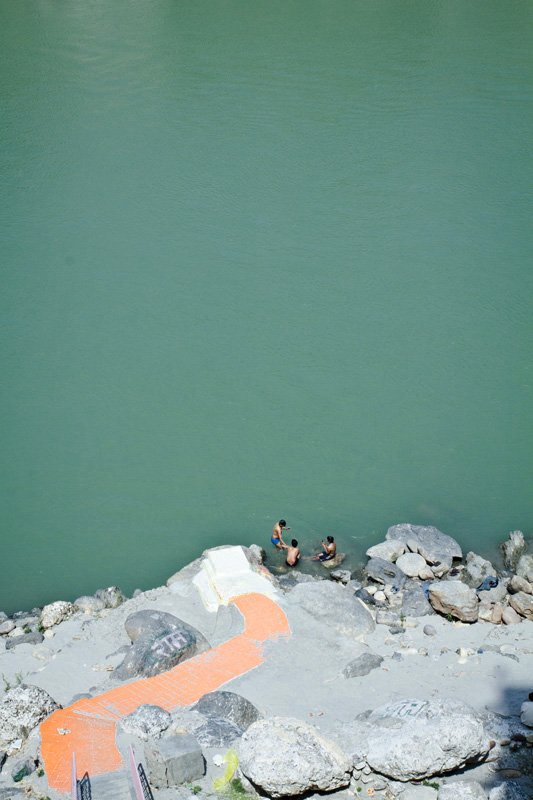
{"x":110,"y":786}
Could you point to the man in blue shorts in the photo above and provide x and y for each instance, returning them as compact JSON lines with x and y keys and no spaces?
{"x":329,"y":550}
{"x":277,"y":537}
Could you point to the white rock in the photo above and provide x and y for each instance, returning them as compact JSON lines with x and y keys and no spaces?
{"x":6,"y":627}
{"x":89,"y":604}
{"x":56,"y":612}
{"x":414,"y":739}
{"x":49,"y":634}
{"x":388,"y":551}
{"x":371,"y":589}
{"x":462,"y":790}
{"x":23,"y":707}
{"x":411,"y":564}
{"x":380,"y":596}
{"x":523,"y":604}
{"x":16,"y":632}
{"x":147,"y":721}
{"x":287,"y":757}
{"x":426,"y":573}
{"x":524,"y":568}
{"x":526,"y":713}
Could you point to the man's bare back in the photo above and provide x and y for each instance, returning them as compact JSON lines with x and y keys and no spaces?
{"x":293,"y":554}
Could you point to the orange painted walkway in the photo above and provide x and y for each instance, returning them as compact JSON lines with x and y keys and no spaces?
{"x":92,"y":722}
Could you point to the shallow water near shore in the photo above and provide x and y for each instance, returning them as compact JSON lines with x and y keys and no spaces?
{"x":261,"y":260}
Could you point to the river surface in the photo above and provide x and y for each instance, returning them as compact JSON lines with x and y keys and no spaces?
{"x":260,"y":260}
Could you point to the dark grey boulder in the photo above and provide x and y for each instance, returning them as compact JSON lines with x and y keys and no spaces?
{"x":341,"y":576}
{"x":416,"y":604}
{"x":362,"y":665}
{"x":230,"y":707}
{"x":160,"y":642}
{"x":366,"y":597}
{"x":113,"y":597}
{"x":385,"y":572}
{"x":217,"y":733}
{"x":27,"y":638}
{"x":431,"y":543}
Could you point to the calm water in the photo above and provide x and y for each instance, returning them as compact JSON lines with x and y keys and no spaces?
{"x":260,"y":259}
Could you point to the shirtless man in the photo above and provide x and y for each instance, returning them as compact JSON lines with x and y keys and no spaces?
{"x":277,"y":537}
{"x":293,"y":554}
{"x":329,"y":550}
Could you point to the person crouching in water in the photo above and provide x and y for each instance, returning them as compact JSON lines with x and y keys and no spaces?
{"x":277,"y":537}
{"x":329,"y":550}
{"x":293,"y":554}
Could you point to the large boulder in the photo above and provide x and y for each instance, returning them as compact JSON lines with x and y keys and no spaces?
{"x":416,"y":604}
{"x":513,"y":548}
{"x":331,"y":604}
{"x":54,"y":613}
{"x":22,"y":709}
{"x":146,"y":722}
{"x":160,"y":642}
{"x":388,"y":551}
{"x":411,"y":564}
{"x":526,"y":713}
{"x":455,"y":598}
{"x":462,"y":790}
{"x":365,"y":661}
{"x":523,"y":604}
{"x":385,"y":572}
{"x":476,"y":570}
{"x":285,"y":757}
{"x":415,"y":739}
{"x":431,"y":543}
{"x":89,"y":604}
{"x":524,"y":568}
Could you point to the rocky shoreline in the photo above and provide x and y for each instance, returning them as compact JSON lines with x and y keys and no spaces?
{"x":410,"y":679}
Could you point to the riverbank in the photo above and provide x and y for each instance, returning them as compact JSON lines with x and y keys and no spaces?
{"x":336,"y":648}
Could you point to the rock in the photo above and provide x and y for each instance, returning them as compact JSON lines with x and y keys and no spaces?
{"x":26,"y":638}
{"x":485,"y":612}
{"x":6,"y":627}
{"x":160,"y":642}
{"x":286,"y":757}
{"x":3,"y":616}
{"x":354,"y":586}
{"x":386,"y":551}
{"x":497,"y":612}
{"x":524,"y":568}
{"x":16,"y":632}
{"x":217,"y":733}
{"x":331,"y":604}
{"x":385,"y":572}
{"x":380,"y":597}
{"x":510,"y":617}
{"x":429,"y":630}
{"x":455,"y":598}
{"x":362,"y":665}
{"x":341,"y":576}
{"x":21,"y":769}
{"x":518,"y":584}
{"x":415,"y":739}
{"x":426,"y":573}
{"x":431,"y":543}
{"x":365,"y":596}
{"x":508,"y":791}
{"x":513,"y":548}
{"x":259,"y":555}
{"x":334,"y":562}
{"x":526,"y":713}
{"x":416,"y":604}
{"x":476,"y":570}
{"x":112,"y":597}
{"x":22,"y":709}
{"x":3,"y":756}
{"x":54,"y":613}
{"x":411,"y":564}
{"x":147,"y":721}
{"x":461,"y":790}
{"x":495,"y":595}
{"x":90,"y":605}
{"x":174,"y":760}
{"x":230,"y":707}
{"x":522,"y":603}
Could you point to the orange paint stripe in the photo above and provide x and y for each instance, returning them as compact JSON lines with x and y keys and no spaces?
{"x":91,"y":722}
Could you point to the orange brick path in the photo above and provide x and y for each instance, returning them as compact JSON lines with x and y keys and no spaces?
{"x":92,"y":722}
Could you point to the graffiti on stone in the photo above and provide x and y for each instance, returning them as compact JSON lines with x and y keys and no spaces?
{"x":406,"y":708}
{"x":168,"y":647}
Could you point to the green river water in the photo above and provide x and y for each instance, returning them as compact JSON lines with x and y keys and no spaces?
{"x":260,"y":259}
